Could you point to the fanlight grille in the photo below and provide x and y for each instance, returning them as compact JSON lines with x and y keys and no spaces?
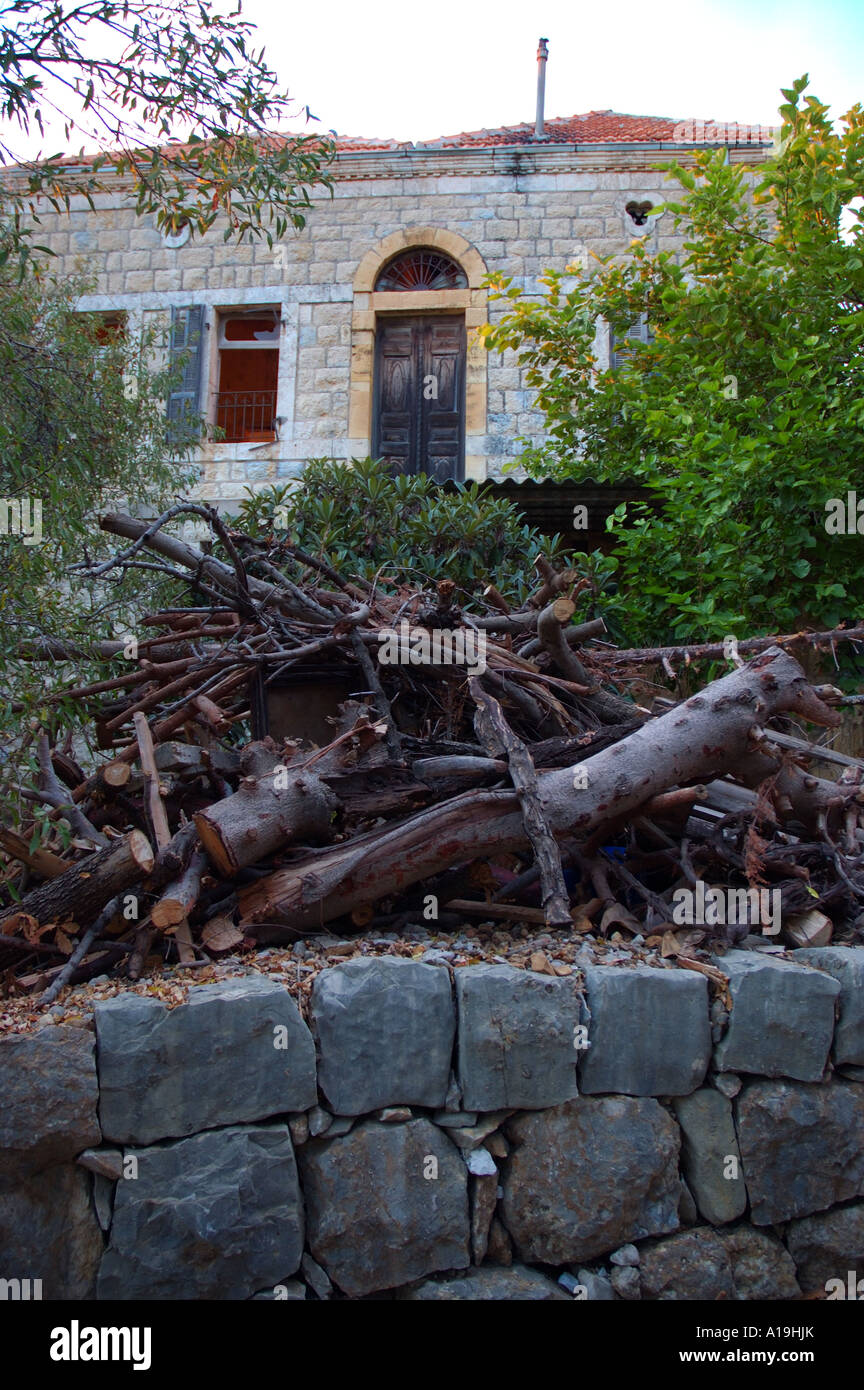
{"x":422,"y":269}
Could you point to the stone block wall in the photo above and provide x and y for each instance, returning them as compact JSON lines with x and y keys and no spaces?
{"x":484,"y":1133}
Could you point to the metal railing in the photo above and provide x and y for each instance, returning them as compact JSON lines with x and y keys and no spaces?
{"x":245,"y":415}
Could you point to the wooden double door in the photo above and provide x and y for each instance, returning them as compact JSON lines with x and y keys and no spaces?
{"x":419,"y":414}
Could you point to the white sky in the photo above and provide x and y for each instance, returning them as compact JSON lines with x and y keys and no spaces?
{"x":417,"y":71}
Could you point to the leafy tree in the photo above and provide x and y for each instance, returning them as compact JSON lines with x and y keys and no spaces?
{"x":171,"y":94}
{"x":744,"y":414}
{"x":82,"y":428}
{"x":405,"y":529}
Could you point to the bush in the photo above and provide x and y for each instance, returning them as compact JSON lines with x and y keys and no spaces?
{"x":404,"y":528}
{"x":743,"y":414}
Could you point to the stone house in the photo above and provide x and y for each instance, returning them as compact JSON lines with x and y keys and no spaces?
{"x":357,"y":335}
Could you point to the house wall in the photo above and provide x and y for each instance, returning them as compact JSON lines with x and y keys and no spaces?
{"x":515,"y":210}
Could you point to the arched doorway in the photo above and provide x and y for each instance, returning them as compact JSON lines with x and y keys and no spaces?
{"x":418,"y":374}
{"x":418,"y":417}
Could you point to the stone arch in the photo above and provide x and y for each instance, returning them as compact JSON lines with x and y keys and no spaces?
{"x":450,"y":242}
{"x":370,"y":304}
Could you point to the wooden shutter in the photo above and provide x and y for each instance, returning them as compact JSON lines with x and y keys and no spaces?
{"x":638,"y":332}
{"x":184,"y":401}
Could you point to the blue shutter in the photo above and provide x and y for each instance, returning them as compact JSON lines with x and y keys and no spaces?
{"x":638,"y":332}
{"x":184,"y":400}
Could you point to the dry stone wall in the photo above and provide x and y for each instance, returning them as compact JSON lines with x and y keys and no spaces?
{"x":485,"y":1134}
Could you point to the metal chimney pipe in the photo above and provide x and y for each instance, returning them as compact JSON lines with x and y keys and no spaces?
{"x":542,"y":55}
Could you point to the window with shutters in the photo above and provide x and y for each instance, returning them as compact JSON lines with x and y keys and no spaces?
{"x":184,"y":399}
{"x":638,"y":332}
{"x":248,"y":375}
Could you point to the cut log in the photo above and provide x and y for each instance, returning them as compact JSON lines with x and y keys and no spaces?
{"x":264,"y":814}
{"x":811,"y":928}
{"x":707,"y":736}
{"x":180,"y":897}
{"x":82,"y":891}
{"x":172,"y":858}
{"x":610,"y":708}
{"x":458,"y":768}
{"x":189,"y":759}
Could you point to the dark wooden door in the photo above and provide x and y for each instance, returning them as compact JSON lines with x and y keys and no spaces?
{"x":419,"y":417}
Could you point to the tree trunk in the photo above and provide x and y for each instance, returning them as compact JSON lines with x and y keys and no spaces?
{"x":265,"y":813}
{"x":83,"y":890}
{"x":706,"y":737}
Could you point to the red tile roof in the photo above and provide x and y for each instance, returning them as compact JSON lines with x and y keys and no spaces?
{"x":592,"y":128}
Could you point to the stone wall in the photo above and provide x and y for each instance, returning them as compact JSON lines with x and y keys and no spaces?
{"x":484,"y":1133}
{"x":519,"y":211}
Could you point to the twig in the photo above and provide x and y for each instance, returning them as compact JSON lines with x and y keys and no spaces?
{"x":382,"y":704}
{"x":108,"y":912}
{"x":54,"y":795}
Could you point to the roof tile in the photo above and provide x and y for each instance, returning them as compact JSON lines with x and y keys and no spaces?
{"x":590,"y":128}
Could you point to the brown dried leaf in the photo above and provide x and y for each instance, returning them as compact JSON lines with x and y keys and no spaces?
{"x":618,"y":916}
{"x":220,"y":934}
{"x":540,"y":962}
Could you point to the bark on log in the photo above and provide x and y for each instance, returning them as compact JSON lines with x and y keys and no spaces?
{"x":155,"y":805}
{"x":53,"y":794}
{"x":494,"y":732}
{"x":180,"y":897}
{"x":82,"y":946}
{"x":609,"y":708}
{"x":83,"y":890}
{"x":574,"y":635}
{"x":41,"y":861}
{"x":458,"y":768}
{"x":713,"y":651}
{"x":812,"y":800}
{"x":264,"y":814}
{"x":171,"y":858}
{"x":707,"y":736}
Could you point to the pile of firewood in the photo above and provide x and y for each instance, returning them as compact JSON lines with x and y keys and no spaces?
{"x":543,"y":783}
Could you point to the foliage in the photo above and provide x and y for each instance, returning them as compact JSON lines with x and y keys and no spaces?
{"x":744,"y":414}
{"x":362,"y":521}
{"x":172,"y":95}
{"x":82,"y":429}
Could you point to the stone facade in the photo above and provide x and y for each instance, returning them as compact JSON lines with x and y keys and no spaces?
{"x":516,"y":208}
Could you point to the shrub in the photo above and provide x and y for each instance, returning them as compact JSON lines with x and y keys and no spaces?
{"x":404,"y":528}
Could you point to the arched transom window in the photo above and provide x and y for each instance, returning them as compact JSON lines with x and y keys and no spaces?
{"x":421,"y":268}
